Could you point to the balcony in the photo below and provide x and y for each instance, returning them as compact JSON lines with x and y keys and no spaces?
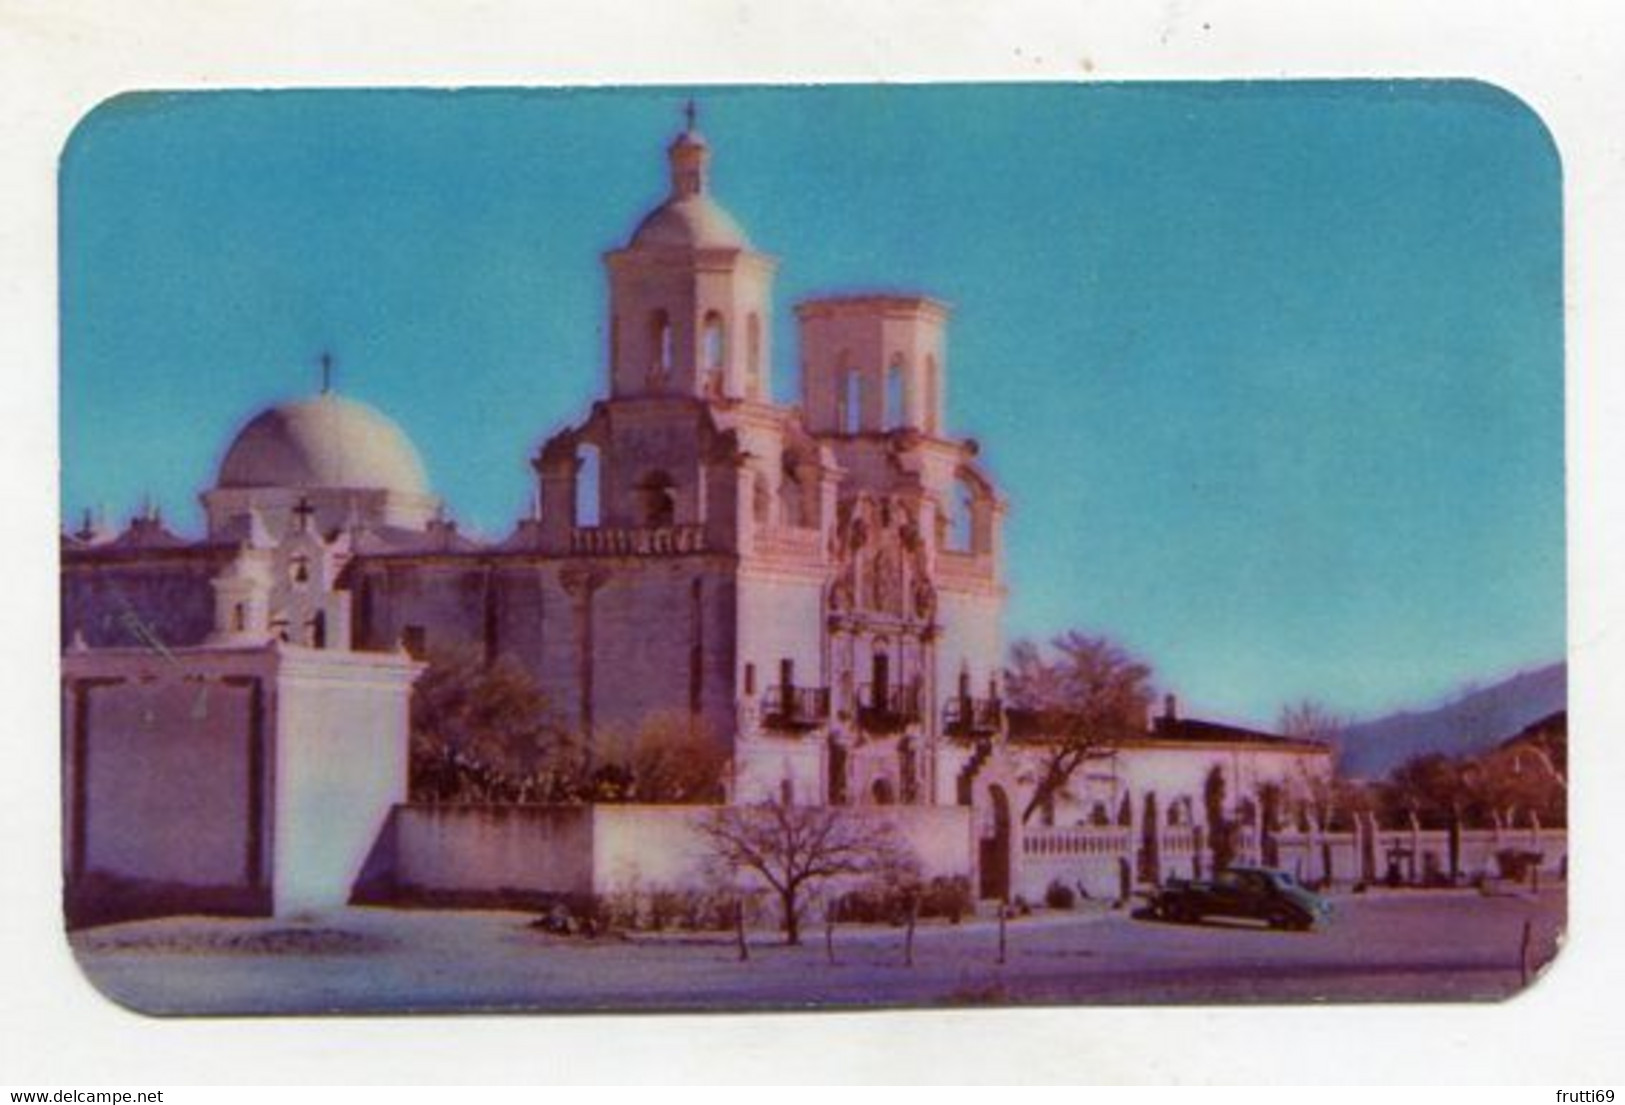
{"x":887,"y":709}
{"x":965,"y":716}
{"x":795,"y":708}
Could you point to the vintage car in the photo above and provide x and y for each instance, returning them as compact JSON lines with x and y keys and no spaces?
{"x":1255,"y":893}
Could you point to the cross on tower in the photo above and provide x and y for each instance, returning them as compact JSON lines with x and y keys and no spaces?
{"x":327,"y":372}
{"x":304,"y":510}
{"x":690,"y":113}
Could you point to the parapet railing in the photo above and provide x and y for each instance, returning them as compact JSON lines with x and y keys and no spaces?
{"x":636,"y":540}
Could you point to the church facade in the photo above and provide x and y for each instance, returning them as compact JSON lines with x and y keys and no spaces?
{"x":807,"y":585}
{"x":818,"y":588}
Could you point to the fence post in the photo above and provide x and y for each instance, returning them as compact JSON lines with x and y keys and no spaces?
{"x":1525,"y":948}
{"x":908,"y":940}
{"x":829,"y":933}
{"x":1004,"y":911}
{"x":739,"y":929}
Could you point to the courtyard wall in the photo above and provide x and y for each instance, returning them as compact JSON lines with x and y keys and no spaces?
{"x":520,"y":853}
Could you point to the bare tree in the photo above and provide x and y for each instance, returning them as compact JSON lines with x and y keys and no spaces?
{"x":1310,"y":720}
{"x":795,"y":849}
{"x":1082,"y":694}
{"x":1330,"y":799}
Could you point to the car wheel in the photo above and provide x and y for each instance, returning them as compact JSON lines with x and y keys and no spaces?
{"x":1280,"y":919}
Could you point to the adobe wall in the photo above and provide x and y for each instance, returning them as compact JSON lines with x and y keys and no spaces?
{"x":647,"y":618}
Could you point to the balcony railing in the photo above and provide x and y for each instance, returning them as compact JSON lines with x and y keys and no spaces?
{"x":887,"y":709}
{"x":636,"y":540}
{"x":795,"y":707}
{"x":965,"y":716}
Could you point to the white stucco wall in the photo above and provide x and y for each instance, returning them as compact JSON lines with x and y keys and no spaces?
{"x":488,"y":849}
{"x":341,"y":765}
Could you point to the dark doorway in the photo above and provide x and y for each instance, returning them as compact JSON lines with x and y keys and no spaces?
{"x":995,"y":849}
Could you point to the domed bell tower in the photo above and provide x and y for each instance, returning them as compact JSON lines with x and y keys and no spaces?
{"x":690,"y":299}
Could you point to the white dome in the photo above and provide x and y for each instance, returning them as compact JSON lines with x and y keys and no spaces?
{"x":690,"y":222}
{"x":323,"y":443}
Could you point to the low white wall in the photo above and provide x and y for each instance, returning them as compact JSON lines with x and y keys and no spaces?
{"x":662,"y":847}
{"x":490,"y":849}
{"x":647,"y":848}
{"x":1091,"y":857}
{"x":611,"y":848}
{"x":1074,"y":857}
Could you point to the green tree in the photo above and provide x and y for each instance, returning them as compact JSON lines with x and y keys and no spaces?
{"x":485,"y":732}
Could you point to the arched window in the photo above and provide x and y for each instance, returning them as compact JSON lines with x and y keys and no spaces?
{"x":850,"y":398}
{"x":792,"y":501}
{"x":587,"y":477}
{"x":962,"y":517}
{"x":714,"y":341}
{"x":883,"y":793}
{"x":753,"y":355}
{"x":660,"y":345}
{"x":657,"y":501}
{"x":894,"y":393}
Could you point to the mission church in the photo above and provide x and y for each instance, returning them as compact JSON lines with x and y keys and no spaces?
{"x":818,"y":588}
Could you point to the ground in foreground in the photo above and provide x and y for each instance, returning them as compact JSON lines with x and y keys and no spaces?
{"x":1416,"y":946}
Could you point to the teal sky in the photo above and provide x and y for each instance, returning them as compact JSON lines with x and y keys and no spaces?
{"x":1272,"y":373}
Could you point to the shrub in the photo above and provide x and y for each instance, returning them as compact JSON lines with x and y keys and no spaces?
{"x":948,"y":897}
{"x":1058,"y":895}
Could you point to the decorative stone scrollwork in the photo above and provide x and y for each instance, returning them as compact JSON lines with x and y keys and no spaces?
{"x":925,"y":599}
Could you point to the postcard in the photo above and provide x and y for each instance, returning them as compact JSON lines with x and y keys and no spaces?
{"x":755,"y":548}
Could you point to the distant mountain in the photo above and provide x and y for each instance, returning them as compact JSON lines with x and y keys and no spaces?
{"x":1476,"y":721}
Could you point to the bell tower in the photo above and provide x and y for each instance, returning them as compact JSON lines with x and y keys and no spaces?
{"x":690,"y":299}
{"x":873,"y":363}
